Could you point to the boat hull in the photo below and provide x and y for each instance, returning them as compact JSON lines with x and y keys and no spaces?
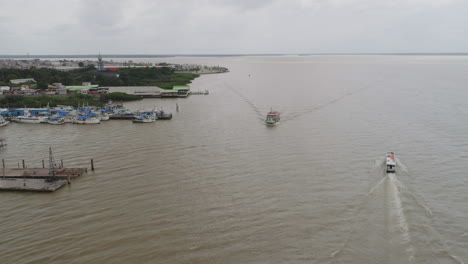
{"x":142,"y":121}
{"x":93,"y":121}
{"x":4,"y":123}
{"x":30,"y":120}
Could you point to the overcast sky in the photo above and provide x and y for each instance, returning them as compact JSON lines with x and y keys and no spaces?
{"x":232,"y":26}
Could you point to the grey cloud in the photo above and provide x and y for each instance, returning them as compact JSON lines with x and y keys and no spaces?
{"x":236,"y":26}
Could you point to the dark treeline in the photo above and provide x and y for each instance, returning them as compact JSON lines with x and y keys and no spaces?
{"x":72,"y":100}
{"x":163,"y":77}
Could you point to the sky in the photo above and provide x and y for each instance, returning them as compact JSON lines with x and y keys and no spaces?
{"x":39,"y":27}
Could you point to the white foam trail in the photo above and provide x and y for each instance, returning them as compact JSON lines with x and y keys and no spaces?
{"x":401,"y":165}
{"x":376,"y":186}
{"x":426,"y":209}
{"x":456,"y":259}
{"x":400,"y":215}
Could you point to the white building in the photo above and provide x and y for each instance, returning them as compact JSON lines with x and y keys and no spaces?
{"x":19,"y":81}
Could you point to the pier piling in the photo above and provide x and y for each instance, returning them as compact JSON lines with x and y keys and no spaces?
{"x":3,"y":162}
{"x":24,"y":165}
{"x":43,"y":164}
{"x":92,"y":164}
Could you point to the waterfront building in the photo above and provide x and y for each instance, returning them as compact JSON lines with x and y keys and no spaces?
{"x":20,"y":81}
{"x":83,"y":89}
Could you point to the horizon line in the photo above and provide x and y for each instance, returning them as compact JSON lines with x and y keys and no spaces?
{"x":136,"y":55}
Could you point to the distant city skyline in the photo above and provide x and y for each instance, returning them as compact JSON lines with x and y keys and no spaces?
{"x":242,"y":27}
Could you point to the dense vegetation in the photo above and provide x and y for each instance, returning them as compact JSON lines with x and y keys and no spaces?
{"x":44,"y":100}
{"x":73,"y":100}
{"x":163,"y":77}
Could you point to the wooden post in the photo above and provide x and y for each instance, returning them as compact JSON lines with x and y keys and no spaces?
{"x":61,"y":163}
{"x":23,"y":165}
{"x":92,"y":164}
{"x":3,"y":162}
{"x":43,"y":165}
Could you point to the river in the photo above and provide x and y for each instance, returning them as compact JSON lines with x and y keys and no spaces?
{"x":215,"y":185}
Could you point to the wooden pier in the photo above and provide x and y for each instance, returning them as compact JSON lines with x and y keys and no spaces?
{"x":37,"y":179}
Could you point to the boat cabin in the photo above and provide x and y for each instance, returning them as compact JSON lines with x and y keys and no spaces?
{"x":272,"y":117}
{"x":390,"y":162}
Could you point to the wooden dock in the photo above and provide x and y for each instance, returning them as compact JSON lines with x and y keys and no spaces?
{"x":37,"y":179}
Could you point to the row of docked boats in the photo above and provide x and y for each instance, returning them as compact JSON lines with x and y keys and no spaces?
{"x":81,"y":115}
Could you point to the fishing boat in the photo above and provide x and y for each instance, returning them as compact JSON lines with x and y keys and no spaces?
{"x":161,"y":115}
{"x":69,"y":118}
{"x":272,"y":117}
{"x":122,"y":114}
{"x":86,"y":120}
{"x":390,"y":162}
{"x":31,"y":119}
{"x":56,"y":120}
{"x":145,"y":117}
{"x":3,"y":121}
{"x":104,"y":117}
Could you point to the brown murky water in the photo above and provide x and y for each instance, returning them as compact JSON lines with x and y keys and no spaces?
{"x":215,"y":185}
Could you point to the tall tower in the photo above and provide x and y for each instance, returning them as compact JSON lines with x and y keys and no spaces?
{"x":100,"y":63}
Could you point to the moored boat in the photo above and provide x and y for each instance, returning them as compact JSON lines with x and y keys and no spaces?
{"x":161,"y":115}
{"x":3,"y":121}
{"x":145,"y":117}
{"x":390,"y":162}
{"x":86,"y":120}
{"x":56,"y":120}
{"x":272,"y":117}
{"x":31,"y":119}
{"x":122,"y":114}
{"x":104,"y":117}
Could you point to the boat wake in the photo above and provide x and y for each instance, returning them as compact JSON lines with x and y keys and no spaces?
{"x":391,"y":225}
{"x":289,"y":117}
{"x":325,"y":105}
{"x":260,"y":114}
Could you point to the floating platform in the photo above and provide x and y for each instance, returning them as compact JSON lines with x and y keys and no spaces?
{"x":37,"y":179}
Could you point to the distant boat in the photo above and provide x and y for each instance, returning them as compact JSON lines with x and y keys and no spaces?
{"x":104,"y":117}
{"x":56,"y":120}
{"x":143,"y":119}
{"x":31,"y":119}
{"x":272,"y":117}
{"x":161,"y":115}
{"x":390,"y":162}
{"x":3,"y":121}
{"x":86,"y":120}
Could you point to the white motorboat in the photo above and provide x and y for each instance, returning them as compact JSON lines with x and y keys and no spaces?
{"x":146,"y":117}
{"x":31,"y":119}
{"x":104,"y":117}
{"x":84,"y":120}
{"x":390,"y":162}
{"x":3,"y":121}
